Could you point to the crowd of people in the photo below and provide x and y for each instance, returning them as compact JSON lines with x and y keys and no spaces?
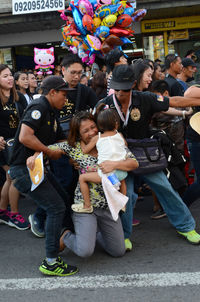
{"x":81,"y":119}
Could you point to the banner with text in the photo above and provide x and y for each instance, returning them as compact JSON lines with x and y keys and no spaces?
{"x":36,"y":6}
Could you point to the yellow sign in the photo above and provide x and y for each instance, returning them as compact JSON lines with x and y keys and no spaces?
{"x":179,"y":35}
{"x":148,"y":26}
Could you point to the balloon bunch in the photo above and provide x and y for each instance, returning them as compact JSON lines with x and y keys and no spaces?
{"x":94,"y":27}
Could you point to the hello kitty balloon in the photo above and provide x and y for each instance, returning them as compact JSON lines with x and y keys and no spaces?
{"x":44,"y":59}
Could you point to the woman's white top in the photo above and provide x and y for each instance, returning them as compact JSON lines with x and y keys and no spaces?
{"x":111,"y":148}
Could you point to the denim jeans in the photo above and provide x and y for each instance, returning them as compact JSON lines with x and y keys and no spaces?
{"x":193,"y":191}
{"x":177,"y":212}
{"x":47,"y":198}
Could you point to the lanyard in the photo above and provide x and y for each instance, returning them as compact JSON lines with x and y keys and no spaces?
{"x":125,"y":120}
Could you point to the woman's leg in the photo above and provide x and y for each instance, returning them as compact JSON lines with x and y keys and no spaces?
{"x":13,"y":194}
{"x":83,"y":242}
{"x":83,"y":180}
{"x":111,"y":235}
{"x":4,"y":192}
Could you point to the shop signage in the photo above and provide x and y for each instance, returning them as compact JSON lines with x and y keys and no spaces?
{"x":36,"y":6}
{"x":179,"y":35}
{"x":170,"y":24}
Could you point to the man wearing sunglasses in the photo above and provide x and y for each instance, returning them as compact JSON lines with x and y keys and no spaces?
{"x":135,"y":110}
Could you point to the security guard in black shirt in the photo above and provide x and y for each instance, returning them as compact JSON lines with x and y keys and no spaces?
{"x":39,"y":128}
{"x":135,"y":110}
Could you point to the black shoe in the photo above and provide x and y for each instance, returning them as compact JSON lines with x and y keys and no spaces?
{"x":159,"y":214}
{"x":58,"y":268}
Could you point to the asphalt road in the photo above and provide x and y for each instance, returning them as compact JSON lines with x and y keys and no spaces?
{"x":161,"y":267}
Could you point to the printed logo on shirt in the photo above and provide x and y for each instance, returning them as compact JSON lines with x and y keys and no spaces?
{"x":135,"y":114}
{"x":36,"y":114}
{"x":160,"y":98}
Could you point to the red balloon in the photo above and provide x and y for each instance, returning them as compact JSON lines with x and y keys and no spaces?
{"x":121,"y":32}
{"x":87,"y":22}
{"x":124,"y":20}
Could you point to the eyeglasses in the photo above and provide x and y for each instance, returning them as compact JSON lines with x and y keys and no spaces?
{"x":73,"y":72}
{"x":124,"y":90}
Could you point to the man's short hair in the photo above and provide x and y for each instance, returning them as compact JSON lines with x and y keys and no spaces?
{"x":160,"y":86}
{"x":169,"y":59}
{"x":70,"y":59}
{"x":113,"y":57}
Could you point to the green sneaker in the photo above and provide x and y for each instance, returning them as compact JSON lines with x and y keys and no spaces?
{"x":128,"y":245}
{"x":192,"y":236}
{"x":58,"y":268}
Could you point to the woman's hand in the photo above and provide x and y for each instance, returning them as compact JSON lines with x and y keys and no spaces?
{"x":74,"y":163}
{"x":108,"y":166}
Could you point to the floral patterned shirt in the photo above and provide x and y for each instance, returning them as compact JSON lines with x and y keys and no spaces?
{"x":87,"y":163}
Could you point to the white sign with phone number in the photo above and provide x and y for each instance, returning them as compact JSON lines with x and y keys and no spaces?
{"x":36,"y":6}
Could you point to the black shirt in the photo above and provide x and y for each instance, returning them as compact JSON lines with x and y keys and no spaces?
{"x":83,"y":98}
{"x":175,"y":88}
{"x":10,"y":114}
{"x":143,"y":106}
{"x":41,"y":117}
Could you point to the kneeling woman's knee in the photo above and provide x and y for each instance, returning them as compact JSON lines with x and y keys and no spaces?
{"x":85,"y":251}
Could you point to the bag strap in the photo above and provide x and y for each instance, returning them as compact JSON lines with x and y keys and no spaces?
{"x":78,"y":97}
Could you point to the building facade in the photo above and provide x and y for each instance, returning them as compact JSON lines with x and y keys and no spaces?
{"x":169,"y":26}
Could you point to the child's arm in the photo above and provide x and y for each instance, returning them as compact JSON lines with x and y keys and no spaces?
{"x":87,"y":148}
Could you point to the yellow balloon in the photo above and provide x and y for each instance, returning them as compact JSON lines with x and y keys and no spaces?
{"x":109,"y":21}
{"x":96,"y":22}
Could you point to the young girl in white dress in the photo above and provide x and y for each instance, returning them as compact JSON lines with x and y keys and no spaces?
{"x":110,"y":145}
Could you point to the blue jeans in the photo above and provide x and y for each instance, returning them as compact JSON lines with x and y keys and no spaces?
{"x":47,"y":198}
{"x":177,"y":212}
{"x":193,"y":191}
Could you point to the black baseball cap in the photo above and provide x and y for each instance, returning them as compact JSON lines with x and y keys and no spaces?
{"x":188,"y":62}
{"x":123,"y":77}
{"x":55,"y":82}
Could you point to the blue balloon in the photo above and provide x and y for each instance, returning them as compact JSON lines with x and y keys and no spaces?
{"x":78,"y":19}
{"x":102,"y":31}
{"x":125,"y":40}
{"x":94,"y":4}
{"x":129,"y":11}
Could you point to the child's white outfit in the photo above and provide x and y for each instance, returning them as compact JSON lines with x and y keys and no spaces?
{"x":111,"y":148}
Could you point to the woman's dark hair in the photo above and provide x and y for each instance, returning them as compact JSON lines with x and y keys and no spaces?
{"x":13,"y":89}
{"x":156,"y":66}
{"x":99,"y":82}
{"x":106,"y":118}
{"x":139,"y":69}
{"x":16,"y":77}
{"x":149,"y":62}
{"x":74,"y":131}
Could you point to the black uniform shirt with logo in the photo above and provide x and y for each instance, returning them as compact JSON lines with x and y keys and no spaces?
{"x":82,"y":98}
{"x":10,"y":116}
{"x":41,"y":117}
{"x":143,"y":106}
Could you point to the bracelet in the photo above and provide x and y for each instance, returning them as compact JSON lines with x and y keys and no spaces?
{"x":183,"y":114}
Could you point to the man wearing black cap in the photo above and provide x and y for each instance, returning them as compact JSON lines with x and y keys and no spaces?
{"x":135,"y":110}
{"x":187,"y":72}
{"x":38,"y":129}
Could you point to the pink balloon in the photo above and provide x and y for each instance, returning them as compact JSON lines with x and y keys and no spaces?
{"x":85,"y":8}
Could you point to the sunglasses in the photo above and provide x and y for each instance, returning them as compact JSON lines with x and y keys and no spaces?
{"x":124,"y":90}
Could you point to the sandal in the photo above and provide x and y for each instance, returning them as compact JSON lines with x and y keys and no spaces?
{"x":62,"y":245}
{"x":79,"y":208}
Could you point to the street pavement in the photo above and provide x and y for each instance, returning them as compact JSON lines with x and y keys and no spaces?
{"x":162,"y":267}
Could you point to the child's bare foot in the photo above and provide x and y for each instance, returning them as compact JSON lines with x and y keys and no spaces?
{"x":80,"y":208}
